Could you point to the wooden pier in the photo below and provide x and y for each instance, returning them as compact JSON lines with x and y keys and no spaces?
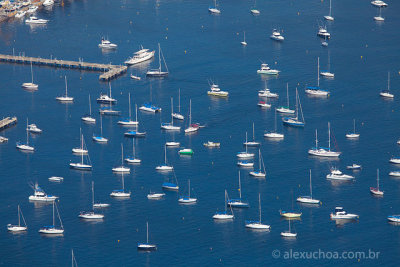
{"x":110,"y":71}
{"x":7,"y":122}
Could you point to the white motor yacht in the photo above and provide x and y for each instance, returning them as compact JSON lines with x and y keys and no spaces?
{"x":338,"y":175}
{"x":378,"y":3}
{"x":216,"y":91}
{"x":276,"y":35}
{"x":323,"y":32}
{"x":34,"y":129}
{"x":106,"y":44}
{"x":140,"y":56}
{"x":40,"y":195}
{"x":265,"y":69}
{"x":341,"y":214}
{"x":35,"y":20}
{"x":155,"y":195}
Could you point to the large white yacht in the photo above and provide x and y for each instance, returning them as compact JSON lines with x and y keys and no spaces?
{"x":323,"y":32}
{"x":276,"y":35}
{"x":265,"y":69}
{"x":140,"y":56}
{"x":35,"y":20}
{"x":106,"y":44}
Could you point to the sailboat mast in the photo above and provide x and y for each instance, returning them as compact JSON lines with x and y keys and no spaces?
{"x":101,"y":125}
{"x":66,"y":86}
{"x":310,"y":185}
{"x":172,"y":110}
{"x":90,"y":107}
{"x":189,"y":188}
{"x":244,"y":36}
{"x":246,"y":143}
{"x":27,"y":136}
{"x":159,"y":56}
{"x":225,"y":201}
{"x":179,"y":101}
{"x":81,"y":148}
{"x":19,"y":219}
{"x":133,"y":147}
{"x":240,"y":188}
{"x":297,"y":105}
{"x":275,"y":121}
{"x":253,"y":133}
{"x":165,"y":155}
{"x":388,"y":80}
{"x":136,"y":111}
{"x":318,"y":73}
{"x":122,"y":154}
{"x":147,"y":235}
{"x":109,"y":85}
{"x":259,"y":159}
{"x":190,"y":112}
{"x":129,"y":95}
{"x":53,"y":213}
{"x":31,"y":72}
{"x":354,"y":125}
{"x":316,"y":139}
{"x":259,"y":205}
{"x":329,"y":135}
{"x":92,"y":194}
{"x":287,"y":94}
{"x":377,"y":178}
{"x":330,"y":8}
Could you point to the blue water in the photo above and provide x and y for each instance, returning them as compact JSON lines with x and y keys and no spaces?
{"x":197,"y":47}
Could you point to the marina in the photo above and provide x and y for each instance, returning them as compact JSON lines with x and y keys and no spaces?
{"x":173,"y":154}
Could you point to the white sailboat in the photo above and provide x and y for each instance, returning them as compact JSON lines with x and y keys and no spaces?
{"x":238,"y":202}
{"x":192,"y":127}
{"x":82,"y":149}
{"x":82,"y":166}
{"x":274,"y":135}
{"x":53,"y":229}
{"x":308,"y":199}
{"x":214,"y":9}
{"x":254,"y":10}
{"x":187,"y":199}
{"x":65,"y":98}
{"x":91,"y":215}
{"x":316,"y":90}
{"x":19,"y":227}
{"x":329,"y":17}
{"x":252,"y":143}
{"x":258,"y":224}
{"x":353,"y":135}
{"x":25,"y":147}
{"x":286,"y":109}
{"x":158,"y":72}
{"x":224,"y":215}
{"x":129,"y":121}
{"x":323,"y":152}
{"x":379,"y":17}
{"x":295,"y":122}
{"x":98,"y":205}
{"x":169,"y":126}
{"x":31,"y":85}
{"x":328,"y":73}
{"x":88,"y":118}
{"x":386,"y":93}
{"x":178,"y":115}
{"x":289,"y":233}
{"x":245,"y":154}
{"x":244,"y":43}
{"x":121,"y":193}
{"x":147,"y":246}
{"x":100,"y":138}
{"x":375,"y":190}
{"x":122,"y":168}
{"x":261,"y":173}
{"x":133,"y":159}
{"x":165,"y":166}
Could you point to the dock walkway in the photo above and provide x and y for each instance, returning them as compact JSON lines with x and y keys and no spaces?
{"x":110,"y":71}
{"x":7,"y":122}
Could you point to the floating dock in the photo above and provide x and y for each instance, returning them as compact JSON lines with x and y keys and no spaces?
{"x":7,"y":122}
{"x":110,"y":71}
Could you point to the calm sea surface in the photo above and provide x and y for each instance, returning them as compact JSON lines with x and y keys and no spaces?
{"x":197,"y":47}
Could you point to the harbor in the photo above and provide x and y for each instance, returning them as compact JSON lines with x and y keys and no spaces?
{"x":237,"y":133}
